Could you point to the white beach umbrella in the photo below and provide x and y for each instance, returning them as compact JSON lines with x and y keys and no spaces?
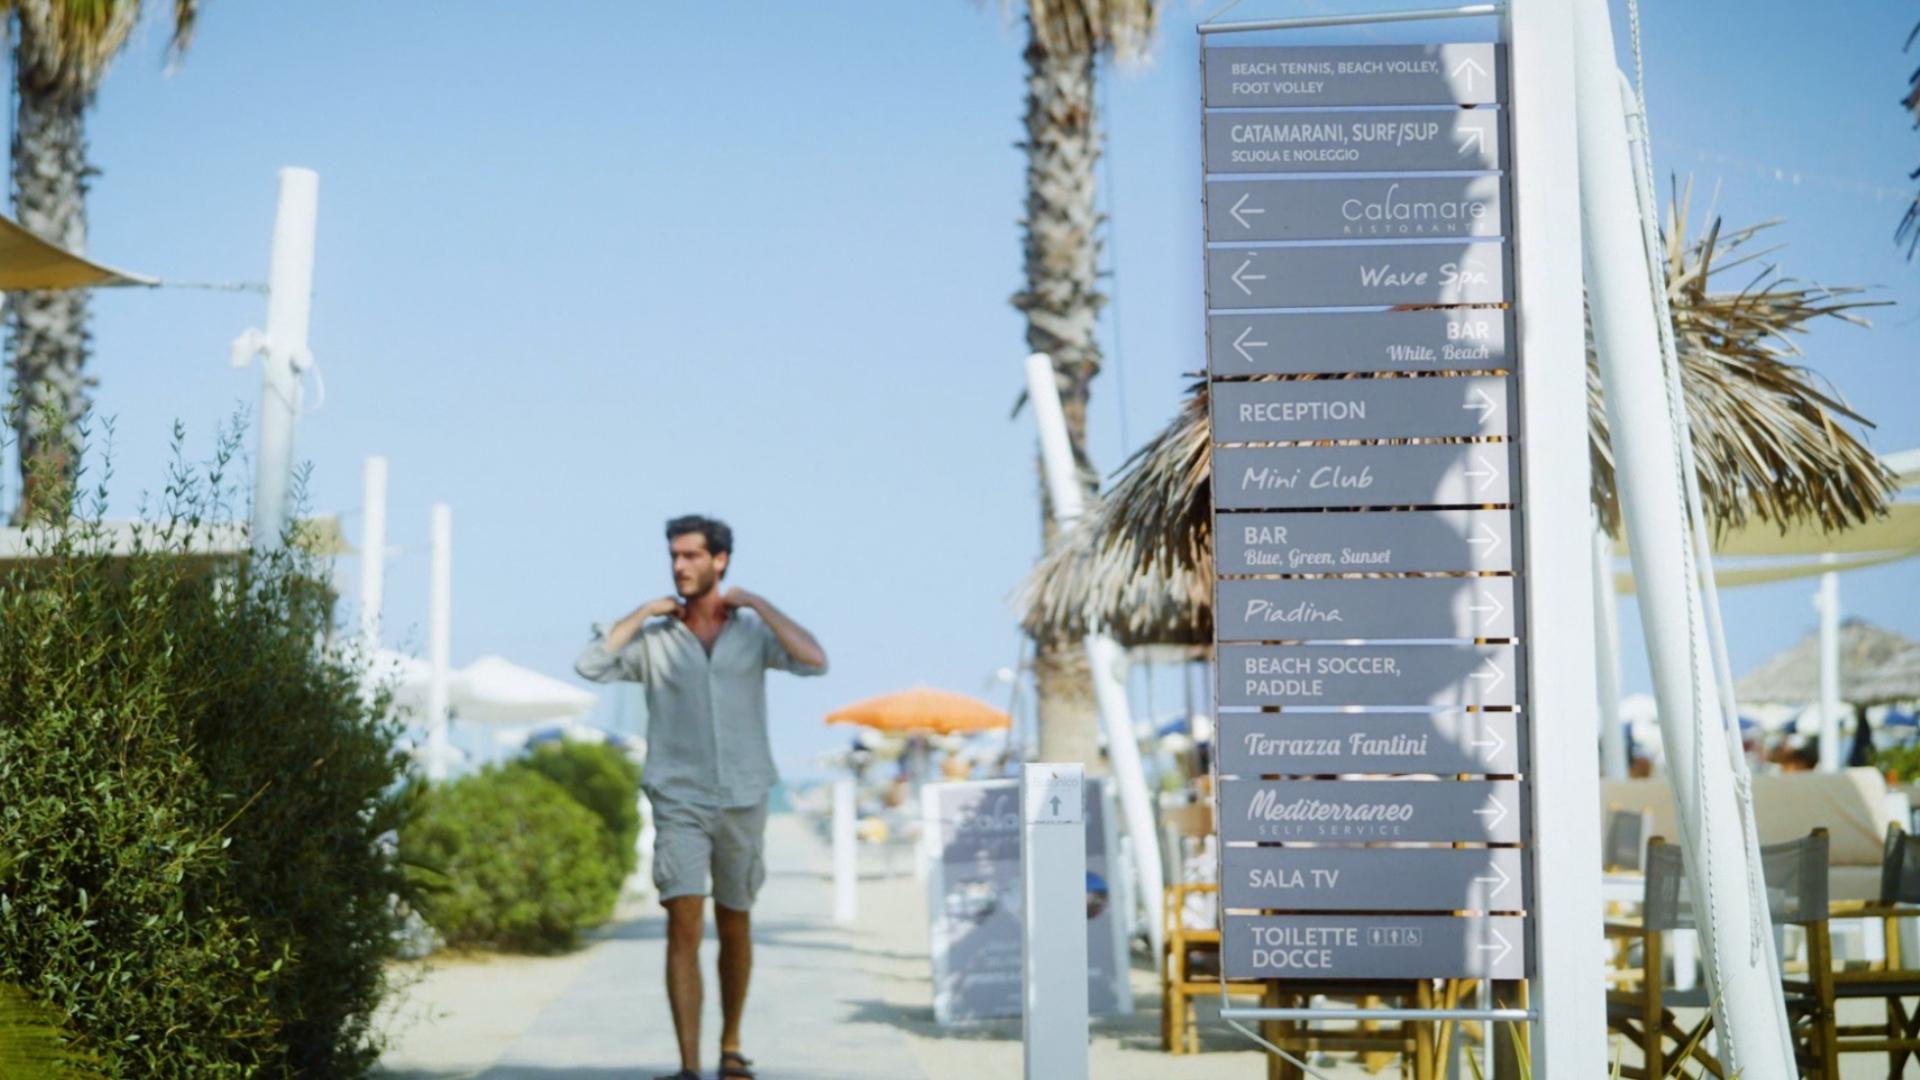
{"x":495,"y":690}
{"x":407,"y":677}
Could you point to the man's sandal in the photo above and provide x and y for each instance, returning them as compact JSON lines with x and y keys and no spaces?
{"x":734,"y":1065}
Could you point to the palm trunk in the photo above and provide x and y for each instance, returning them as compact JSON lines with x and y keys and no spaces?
{"x":1061,"y":303}
{"x":49,"y":338}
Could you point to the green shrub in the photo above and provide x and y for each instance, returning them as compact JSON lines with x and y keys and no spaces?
{"x":604,"y":780}
{"x":192,"y":795}
{"x":522,"y":866}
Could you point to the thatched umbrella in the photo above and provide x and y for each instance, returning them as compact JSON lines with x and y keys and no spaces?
{"x":1877,"y":667}
{"x":1769,"y":444}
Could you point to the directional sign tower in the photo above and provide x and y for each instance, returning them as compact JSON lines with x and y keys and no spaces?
{"x":1370,"y":626}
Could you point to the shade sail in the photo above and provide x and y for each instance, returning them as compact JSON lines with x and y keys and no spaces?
{"x":922,"y":710}
{"x":28,"y":262}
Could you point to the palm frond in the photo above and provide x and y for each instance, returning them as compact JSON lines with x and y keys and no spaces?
{"x":1771,"y":440}
{"x":1121,"y":28}
{"x":67,"y":45}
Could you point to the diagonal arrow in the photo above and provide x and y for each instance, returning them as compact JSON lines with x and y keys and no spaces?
{"x":1240,"y":276}
{"x":1492,"y":673}
{"x":1500,"y":880}
{"x":1487,"y":538}
{"x":1493,"y":607}
{"x":1476,"y":139}
{"x":1241,"y":344}
{"x":1482,"y":472}
{"x":1481,"y":402}
{"x":1499,"y":950}
{"x":1240,"y":208}
{"x":1468,"y":67}
{"x":1493,"y":815}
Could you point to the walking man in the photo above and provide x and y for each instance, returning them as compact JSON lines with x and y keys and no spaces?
{"x":703,"y":655}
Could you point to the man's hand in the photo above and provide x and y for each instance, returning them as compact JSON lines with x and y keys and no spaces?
{"x":738,"y":598}
{"x":792,"y":636}
{"x":624,"y":630}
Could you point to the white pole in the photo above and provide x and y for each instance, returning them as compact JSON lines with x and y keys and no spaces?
{"x":1570,"y":952}
{"x":1654,"y":491}
{"x":1828,"y":601}
{"x":1614,"y":752}
{"x":1053,"y":927}
{"x":846,"y":854}
{"x":285,"y":354}
{"x":1104,"y":655}
{"x":373,"y":552}
{"x":440,"y":641}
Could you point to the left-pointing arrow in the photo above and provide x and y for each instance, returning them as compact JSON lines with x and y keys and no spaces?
{"x":1240,"y":276}
{"x":1240,"y":210}
{"x":1241,"y":344}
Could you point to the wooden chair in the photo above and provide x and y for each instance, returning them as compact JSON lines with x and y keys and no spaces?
{"x":1189,"y":968}
{"x":1796,"y":884}
{"x":1896,"y":980}
{"x":1626,"y":841}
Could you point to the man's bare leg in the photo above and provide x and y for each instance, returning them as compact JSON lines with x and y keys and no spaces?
{"x":686,"y":924}
{"x":736,"y":969}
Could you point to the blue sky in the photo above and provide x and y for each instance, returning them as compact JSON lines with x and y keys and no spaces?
{"x":577,"y":275}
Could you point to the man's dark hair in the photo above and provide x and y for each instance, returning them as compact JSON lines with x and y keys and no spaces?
{"x":718,"y":536}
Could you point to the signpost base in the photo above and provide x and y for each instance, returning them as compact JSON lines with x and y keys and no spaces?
{"x":1053,"y":940}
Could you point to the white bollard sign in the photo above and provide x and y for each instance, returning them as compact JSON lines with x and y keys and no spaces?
{"x":1053,"y":942}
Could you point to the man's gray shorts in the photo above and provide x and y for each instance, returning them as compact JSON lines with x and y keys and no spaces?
{"x":690,"y":841}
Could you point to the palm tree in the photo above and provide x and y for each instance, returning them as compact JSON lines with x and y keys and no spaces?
{"x":1061,"y":301}
{"x":62,"y":49}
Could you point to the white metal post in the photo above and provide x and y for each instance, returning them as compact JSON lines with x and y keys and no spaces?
{"x":440,"y":641}
{"x":1104,"y":655}
{"x":846,"y":854}
{"x":1571,"y":1031}
{"x":373,"y":552}
{"x":1606,"y":636}
{"x":283,"y":349}
{"x":1828,"y":601}
{"x":1716,"y":831}
{"x":1053,"y":928}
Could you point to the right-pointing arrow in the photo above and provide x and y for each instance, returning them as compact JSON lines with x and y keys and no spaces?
{"x":1490,"y":741}
{"x":1481,"y":402}
{"x":1241,"y":344}
{"x":1487,"y":538}
{"x":1499,"y":949}
{"x":1498,"y":880}
{"x":1491,"y":672}
{"x":1492,"y":607}
{"x":1492,"y":814}
{"x":1481,"y":472}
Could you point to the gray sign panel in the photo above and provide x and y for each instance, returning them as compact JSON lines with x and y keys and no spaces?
{"x":1374,"y":947}
{"x":1397,"y":208}
{"x":1285,"y":478}
{"x":1346,"y":275}
{"x":1464,"y":74}
{"x":1333,"y":609}
{"x":1404,"y":541}
{"x":1305,"y":343}
{"x":1355,"y":811}
{"x":1296,"y":743}
{"x":1315,"y":409}
{"x":1335,"y":675}
{"x":1377,"y":140}
{"x":1372,"y":879}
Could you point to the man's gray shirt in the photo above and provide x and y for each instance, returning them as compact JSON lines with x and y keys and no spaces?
{"x":707,"y":715}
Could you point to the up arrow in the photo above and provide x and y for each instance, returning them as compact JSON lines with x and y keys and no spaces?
{"x":1499,"y":950}
{"x":1499,"y":880}
{"x":1481,"y":402}
{"x":1240,"y":209}
{"x":1492,"y":815}
{"x":1481,"y":472}
{"x":1468,"y":68}
{"x":1475,"y":139}
{"x":1487,"y":538}
{"x":1490,"y":672}
{"x":1493,"y":607}
{"x":1240,"y":276}
{"x":1241,"y":344}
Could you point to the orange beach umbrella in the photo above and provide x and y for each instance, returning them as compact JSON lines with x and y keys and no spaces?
{"x":922,"y":710}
